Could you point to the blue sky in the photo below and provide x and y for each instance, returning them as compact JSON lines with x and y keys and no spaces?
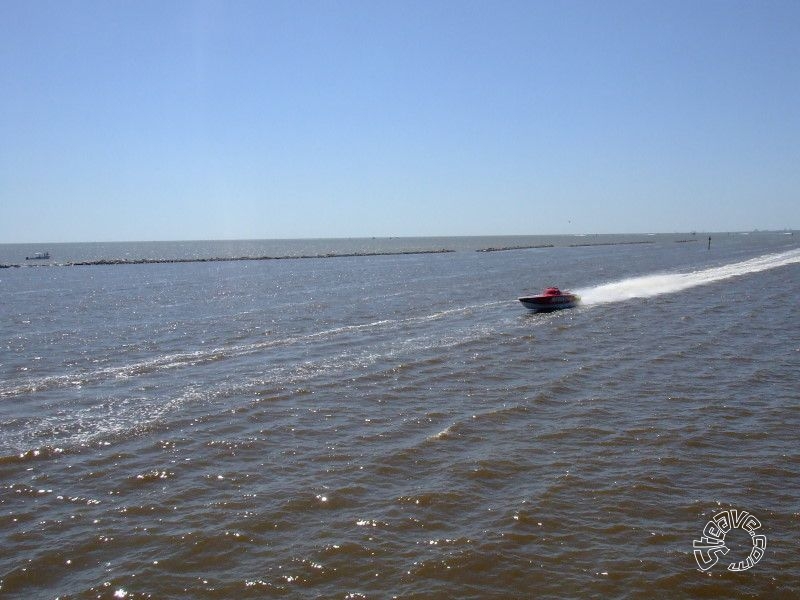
{"x":151,"y":120}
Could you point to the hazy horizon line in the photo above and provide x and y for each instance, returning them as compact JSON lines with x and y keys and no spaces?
{"x":410,"y":237}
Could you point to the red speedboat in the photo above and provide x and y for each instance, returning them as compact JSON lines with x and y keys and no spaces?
{"x":549,"y":300}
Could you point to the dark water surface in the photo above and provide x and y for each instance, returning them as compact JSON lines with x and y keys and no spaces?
{"x":371,"y":427}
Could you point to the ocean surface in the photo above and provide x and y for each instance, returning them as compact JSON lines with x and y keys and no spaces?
{"x":399,"y":426}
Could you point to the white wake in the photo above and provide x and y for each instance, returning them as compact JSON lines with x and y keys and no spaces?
{"x":647,"y":286}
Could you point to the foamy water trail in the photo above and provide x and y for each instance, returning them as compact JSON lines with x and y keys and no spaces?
{"x":179,"y":360}
{"x":648,"y":286}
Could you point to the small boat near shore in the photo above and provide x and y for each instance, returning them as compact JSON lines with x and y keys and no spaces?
{"x":39,"y":256}
{"x":549,"y":300}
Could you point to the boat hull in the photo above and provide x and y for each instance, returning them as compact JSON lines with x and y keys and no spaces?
{"x":544,"y":304}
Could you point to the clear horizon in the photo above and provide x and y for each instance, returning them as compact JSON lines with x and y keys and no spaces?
{"x":699,"y":235}
{"x":282,"y":120}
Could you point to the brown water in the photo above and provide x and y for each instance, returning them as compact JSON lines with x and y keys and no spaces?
{"x":373,"y":427}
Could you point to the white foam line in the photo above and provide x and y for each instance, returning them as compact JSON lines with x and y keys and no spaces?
{"x":451,"y":311}
{"x":115,"y":416}
{"x":648,"y":286}
{"x":181,"y":359}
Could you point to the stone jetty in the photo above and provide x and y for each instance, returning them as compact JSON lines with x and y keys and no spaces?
{"x":161,"y":261}
{"x":610,"y":243}
{"x":506,"y":248}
